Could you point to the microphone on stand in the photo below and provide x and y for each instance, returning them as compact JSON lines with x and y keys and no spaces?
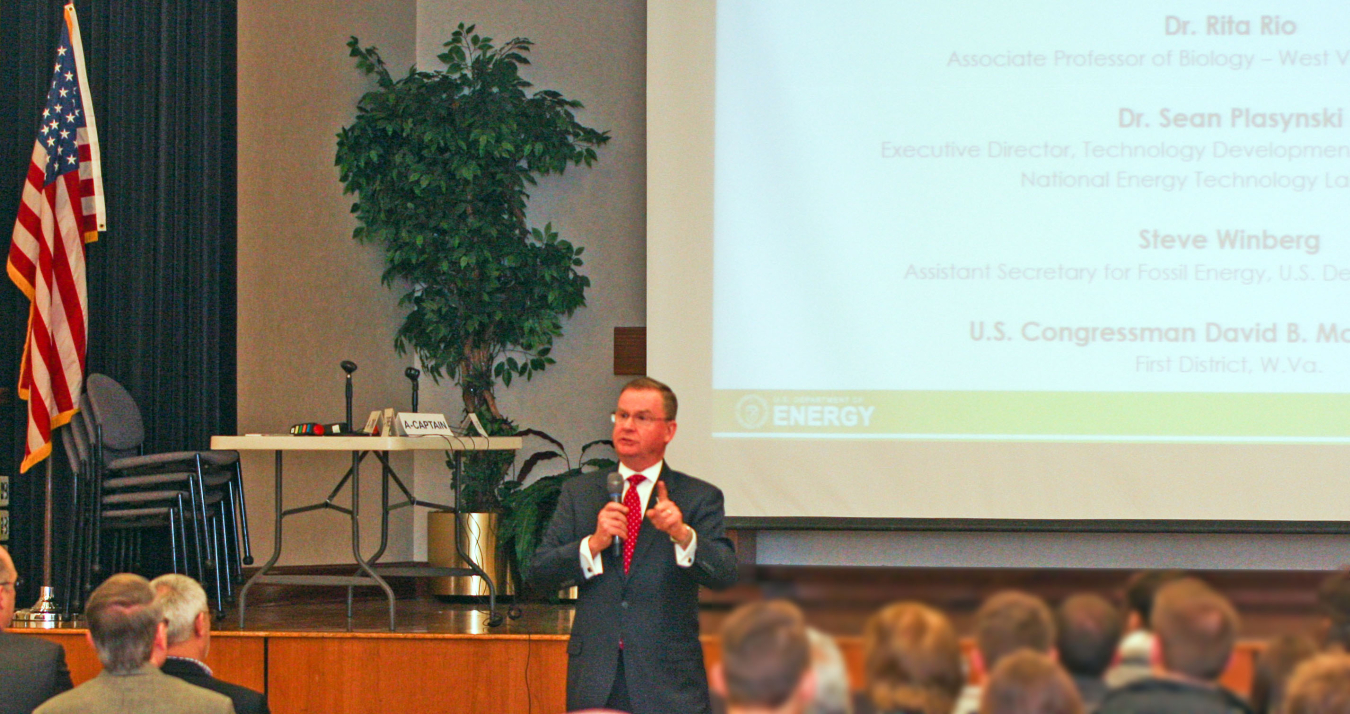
{"x":413,"y":374}
{"x":349,"y":366}
{"x":615,"y":486}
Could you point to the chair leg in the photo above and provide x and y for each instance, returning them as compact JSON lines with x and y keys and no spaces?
{"x":229,"y":552}
{"x":97,"y":474}
{"x":176,"y":527}
{"x":198,"y":559}
{"x":218,"y":538}
{"x":91,"y":536}
{"x":199,"y":527}
{"x":241,"y":515}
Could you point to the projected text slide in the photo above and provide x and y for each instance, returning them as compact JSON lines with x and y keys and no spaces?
{"x":993,"y":220}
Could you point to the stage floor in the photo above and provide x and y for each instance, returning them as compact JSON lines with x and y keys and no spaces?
{"x":425,"y":614}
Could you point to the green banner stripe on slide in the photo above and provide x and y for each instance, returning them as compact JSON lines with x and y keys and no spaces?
{"x":1104,"y":414}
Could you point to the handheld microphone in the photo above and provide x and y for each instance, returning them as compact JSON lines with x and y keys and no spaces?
{"x":413,"y":374}
{"x":349,"y":366}
{"x":615,"y":486}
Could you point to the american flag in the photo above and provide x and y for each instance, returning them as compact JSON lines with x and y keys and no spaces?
{"x":61,"y":211}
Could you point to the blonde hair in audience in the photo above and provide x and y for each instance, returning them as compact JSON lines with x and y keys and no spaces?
{"x":912,"y":659}
{"x":1320,"y":685}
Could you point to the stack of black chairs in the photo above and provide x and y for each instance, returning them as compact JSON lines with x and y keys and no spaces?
{"x":125,"y":498}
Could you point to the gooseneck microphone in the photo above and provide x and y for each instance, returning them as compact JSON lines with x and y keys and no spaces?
{"x":349,"y":366}
{"x":615,"y":486}
{"x":413,"y":374}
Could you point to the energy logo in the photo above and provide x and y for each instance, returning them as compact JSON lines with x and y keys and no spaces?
{"x":752,"y":411}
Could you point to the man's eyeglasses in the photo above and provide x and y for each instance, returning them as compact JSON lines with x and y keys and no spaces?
{"x":641,"y":419}
{"x":11,"y":583}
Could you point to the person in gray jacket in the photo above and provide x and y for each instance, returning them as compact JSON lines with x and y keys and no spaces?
{"x":32,"y":670}
{"x":126,"y":628}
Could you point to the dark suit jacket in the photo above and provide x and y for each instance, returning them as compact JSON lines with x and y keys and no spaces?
{"x":32,"y":670}
{"x":653,"y":610}
{"x":246,"y":701}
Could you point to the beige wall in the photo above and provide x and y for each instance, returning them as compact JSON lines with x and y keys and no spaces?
{"x":309,"y":296}
{"x":593,"y":51}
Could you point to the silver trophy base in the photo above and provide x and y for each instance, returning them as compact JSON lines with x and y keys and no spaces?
{"x":44,"y":613}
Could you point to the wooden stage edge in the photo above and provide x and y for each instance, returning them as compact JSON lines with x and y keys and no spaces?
{"x":366,"y":670}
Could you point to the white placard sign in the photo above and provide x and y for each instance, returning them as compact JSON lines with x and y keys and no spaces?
{"x":414,"y":424}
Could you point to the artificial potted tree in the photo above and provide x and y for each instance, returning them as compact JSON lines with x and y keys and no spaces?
{"x":441,"y":163}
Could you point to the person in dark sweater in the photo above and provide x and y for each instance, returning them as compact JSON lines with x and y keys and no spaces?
{"x":1089,"y":630}
{"x":1196,"y":629}
{"x":1134,"y":658}
{"x":32,"y":670}
{"x":183,"y":602}
{"x":1273,"y":668}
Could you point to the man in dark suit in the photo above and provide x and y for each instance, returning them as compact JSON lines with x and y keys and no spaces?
{"x":32,"y":670}
{"x":188,"y":616}
{"x":634,"y":644}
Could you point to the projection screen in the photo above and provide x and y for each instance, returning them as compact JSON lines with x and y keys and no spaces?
{"x":1038,"y":261}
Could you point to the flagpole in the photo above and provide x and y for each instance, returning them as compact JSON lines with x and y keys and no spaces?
{"x":46,"y":612}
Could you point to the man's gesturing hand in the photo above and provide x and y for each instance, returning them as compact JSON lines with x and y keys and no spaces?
{"x":612,"y":521}
{"x":668,"y":518}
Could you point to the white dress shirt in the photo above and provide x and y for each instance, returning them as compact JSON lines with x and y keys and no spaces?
{"x":593,"y":565}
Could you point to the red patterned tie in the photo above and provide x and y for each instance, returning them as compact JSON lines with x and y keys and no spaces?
{"x":632,"y":503}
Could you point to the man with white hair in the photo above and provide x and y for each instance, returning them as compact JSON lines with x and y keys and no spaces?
{"x":183,"y":602}
{"x":32,"y":670}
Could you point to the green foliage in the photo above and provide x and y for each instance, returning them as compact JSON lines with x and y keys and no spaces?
{"x":440,"y":162}
{"x":527,"y":510}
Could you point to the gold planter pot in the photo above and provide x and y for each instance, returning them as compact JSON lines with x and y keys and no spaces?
{"x":478,"y":533}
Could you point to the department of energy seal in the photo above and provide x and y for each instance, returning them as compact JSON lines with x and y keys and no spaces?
{"x":752,"y":411}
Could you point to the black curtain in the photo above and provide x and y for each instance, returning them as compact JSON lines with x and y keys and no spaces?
{"x":161,"y":280}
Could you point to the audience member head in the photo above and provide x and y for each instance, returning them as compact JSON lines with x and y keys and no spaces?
{"x":1320,"y":685}
{"x":187,"y":617}
{"x":1281,"y":656}
{"x":9,"y":576}
{"x":1009,"y":621}
{"x":766,"y":659}
{"x":1089,"y":630}
{"x":832,"y":688}
{"x":1027,"y":682}
{"x":1333,"y":599}
{"x":1196,"y":628}
{"x":125,"y":624}
{"x":912,"y":660}
{"x":1140,"y":590}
